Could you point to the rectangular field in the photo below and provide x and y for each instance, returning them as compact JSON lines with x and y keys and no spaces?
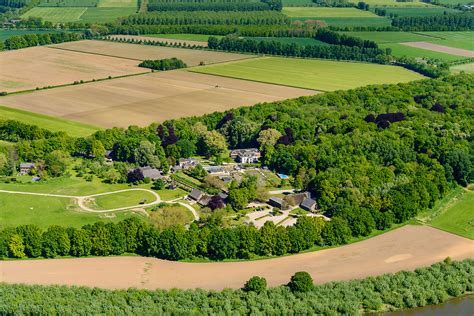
{"x":400,"y":50}
{"x":391,"y":37}
{"x":106,"y":14}
{"x":419,"y":11}
{"x":463,"y":40}
{"x":153,"y":97}
{"x":117,"y":4}
{"x":441,"y":48}
{"x":34,"y":67}
{"x":469,"y":68}
{"x":142,"y":52}
{"x":394,"y":3}
{"x":53,"y":124}
{"x":56,"y":14}
{"x":315,"y":74}
{"x":5,"y":34}
{"x":160,"y":39}
{"x":321,"y":12}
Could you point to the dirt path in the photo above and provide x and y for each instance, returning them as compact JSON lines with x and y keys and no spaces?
{"x":405,"y":248}
{"x":441,"y":48}
{"x":82,"y":200}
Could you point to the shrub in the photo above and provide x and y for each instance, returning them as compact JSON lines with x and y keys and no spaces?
{"x":301,"y":282}
{"x":255,"y":284}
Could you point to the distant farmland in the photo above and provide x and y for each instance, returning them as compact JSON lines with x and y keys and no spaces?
{"x":34,"y":67}
{"x":142,"y":52}
{"x":311,"y":73}
{"x":141,"y":100}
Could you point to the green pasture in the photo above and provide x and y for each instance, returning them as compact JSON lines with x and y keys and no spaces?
{"x":391,"y":37}
{"x":106,"y":14}
{"x":117,"y":4}
{"x":463,"y":40}
{"x":455,"y":2}
{"x":464,"y":67}
{"x":289,"y":40}
{"x":121,"y":199}
{"x":323,"y":75}
{"x":5,"y":34}
{"x":394,"y":3}
{"x":68,"y":3}
{"x":56,"y":14}
{"x":188,"y":37}
{"x":400,"y":50}
{"x":349,"y":21}
{"x":322,"y":12}
{"x":54,"y":124}
{"x":296,"y":2}
{"x":418,"y":11}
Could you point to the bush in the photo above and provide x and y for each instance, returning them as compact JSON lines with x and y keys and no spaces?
{"x":255,"y":284}
{"x":301,"y":282}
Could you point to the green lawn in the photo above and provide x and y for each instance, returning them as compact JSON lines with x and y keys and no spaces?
{"x":321,"y":12}
{"x":167,"y":195}
{"x":72,"y":128}
{"x":464,"y":67}
{"x":189,"y":37}
{"x":314,"y":74}
{"x":391,"y":37}
{"x":400,"y":50}
{"x":56,"y":14}
{"x":121,"y":199}
{"x":457,"y":216}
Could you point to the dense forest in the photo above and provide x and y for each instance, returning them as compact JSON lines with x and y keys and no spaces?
{"x":430,"y":285}
{"x":372,"y":156}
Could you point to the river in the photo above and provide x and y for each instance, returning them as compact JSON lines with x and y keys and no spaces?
{"x":461,"y":306}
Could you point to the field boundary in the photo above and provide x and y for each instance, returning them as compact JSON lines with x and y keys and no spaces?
{"x":91,"y":53}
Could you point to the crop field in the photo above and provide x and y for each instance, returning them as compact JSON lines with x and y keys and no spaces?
{"x":141,"y":100}
{"x":391,"y":37}
{"x":458,"y":217}
{"x":5,"y":34}
{"x":419,"y":11}
{"x":53,"y":124}
{"x":68,"y":3}
{"x":462,"y":40}
{"x":106,"y":14}
{"x":314,"y":74}
{"x":464,"y":67}
{"x":441,"y":48}
{"x":117,"y":4}
{"x":400,"y":50}
{"x":143,"y":52}
{"x":52,"y":67}
{"x":56,"y":15}
{"x":394,"y":3}
{"x":336,"y":16}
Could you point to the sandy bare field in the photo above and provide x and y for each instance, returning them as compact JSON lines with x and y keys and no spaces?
{"x":159,"y":39}
{"x":406,"y":248}
{"x":191,"y":57}
{"x":441,"y":48}
{"x":33,"y":67}
{"x":153,"y":97}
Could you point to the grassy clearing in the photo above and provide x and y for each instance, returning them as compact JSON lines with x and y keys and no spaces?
{"x":394,"y":3}
{"x":391,"y":37}
{"x":117,"y":4}
{"x":187,"y":37}
{"x":167,"y":195}
{"x":121,"y":199}
{"x":419,"y":11}
{"x":169,"y":215}
{"x":320,"y":12}
{"x":314,"y":74}
{"x":465,"y":67}
{"x":399,"y":50}
{"x":54,"y":124}
{"x":454,"y":214}
{"x":56,"y":14}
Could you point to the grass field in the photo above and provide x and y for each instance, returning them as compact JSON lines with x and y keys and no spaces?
{"x":289,"y":40}
{"x":418,"y":11}
{"x":391,"y":37}
{"x":121,"y":199}
{"x":463,"y":40}
{"x":296,"y":2}
{"x":465,"y":67}
{"x":106,"y":14}
{"x":68,"y":3}
{"x":399,"y":50}
{"x":394,"y":3}
{"x":56,"y":15}
{"x":72,"y":128}
{"x":352,"y":21}
{"x":321,"y":75}
{"x":457,"y":216}
{"x":321,"y":12}
{"x":53,"y":67}
{"x":117,"y":4}
{"x":5,"y":34}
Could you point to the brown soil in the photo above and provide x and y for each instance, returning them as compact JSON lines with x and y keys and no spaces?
{"x":154,"y":97}
{"x":406,"y":248}
{"x":191,"y":57}
{"x":33,"y":67}
{"x":159,"y":39}
{"x":441,"y":48}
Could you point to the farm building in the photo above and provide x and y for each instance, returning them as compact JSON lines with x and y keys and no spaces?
{"x":185,"y":163}
{"x":215,"y":170}
{"x":26,"y":168}
{"x":249,"y":155}
{"x":196,"y":194}
{"x":309,"y":205}
{"x":276,"y":202}
{"x":152,"y":173}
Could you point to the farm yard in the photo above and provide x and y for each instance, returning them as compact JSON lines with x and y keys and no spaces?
{"x":53,"y":67}
{"x":141,"y":100}
{"x":314,"y":74}
{"x":143,"y":52}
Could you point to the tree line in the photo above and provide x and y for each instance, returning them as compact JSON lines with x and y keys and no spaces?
{"x":334,"y":38}
{"x":14,"y":3}
{"x":424,"y":286}
{"x":337,"y":52}
{"x":31,"y":40}
{"x":163,"y":64}
{"x":445,"y":22}
{"x":207,"y":6}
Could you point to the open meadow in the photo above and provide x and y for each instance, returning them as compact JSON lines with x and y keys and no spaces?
{"x":314,"y":74}
{"x":469,"y":68}
{"x":400,"y":50}
{"x":52,"y":67}
{"x":53,"y":124}
{"x":142,"y":52}
{"x":441,"y":48}
{"x":154,"y":97}
{"x":394,"y":3}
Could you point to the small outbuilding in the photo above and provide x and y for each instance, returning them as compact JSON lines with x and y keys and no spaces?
{"x":276,"y":202}
{"x":152,"y":173}
{"x":196,"y":194}
{"x":26,"y":168}
{"x":309,"y":205}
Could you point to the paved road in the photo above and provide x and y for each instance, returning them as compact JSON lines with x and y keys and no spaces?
{"x":81,"y":200}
